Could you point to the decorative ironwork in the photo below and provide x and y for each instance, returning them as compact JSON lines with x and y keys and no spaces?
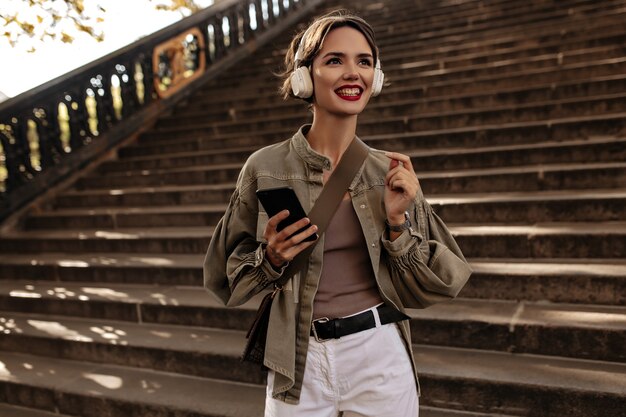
{"x":178,"y":61}
{"x":43,"y":128}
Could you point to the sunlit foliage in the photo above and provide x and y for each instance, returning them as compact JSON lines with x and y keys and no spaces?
{"x":63,"y":20}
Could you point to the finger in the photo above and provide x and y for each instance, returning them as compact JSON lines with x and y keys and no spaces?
{"x":295,"y":250}
{"x":405,"y":159}
{"x":281,"y":251}
{"x":401,"y":172}
{"x":398,"y":185}
{"x":299,"y":238}
{"x":279,"y":217}
{"x":400,"y":168}
{"x":394,"y":174}
{"x":293,"y":228}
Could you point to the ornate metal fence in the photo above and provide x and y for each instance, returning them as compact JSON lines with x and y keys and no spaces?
{"x":50,"y":131}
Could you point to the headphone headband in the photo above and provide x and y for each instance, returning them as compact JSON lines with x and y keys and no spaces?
{"x":300,"y":51}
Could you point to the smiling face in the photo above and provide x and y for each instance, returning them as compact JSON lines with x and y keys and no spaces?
{"x":342,"y":71}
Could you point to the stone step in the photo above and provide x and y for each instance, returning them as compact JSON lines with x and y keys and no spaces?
{"x":138,"y":268}
{"x":194,"y":109}
{"x":426,"y":411}
{"x":540,"y":35}
{"x":521,"y":178}
{"x":129,"y":218}
{"x":456,"y":95}
{"x":455,"y":52}
{"x":466,"y":39}
{"x":566,"y":330}
{"x":7,"y":410}
{"x":587,"y":281}
{"x":498,"y":382}
{"x":422,"y":71}
{"x":433,"y":83}
{"x":125,"y":223}
{"x":543,"y":240}
{"x":411,"y":121}
{"x":149,"y":303}
{"x":558,"y":55}
{"x":505,"y":205}
{"x":435,"y":11}
{"x":527,"y":52}
{"x":152,"y":196}
{"x":517,"y":58}
{"x":514,"y":207}
{"x":568,"y":280}
{"x":526,"y":21}
{"x":194,"y":351}
{"x":579,"y":331}
{"x":537,"y":15}
{"x":506,"y":134}
{"x":488,"y":135}
{"x":596,"y":149}
{"x":128,"y":223}
{"x":597,"y":33}
{"x":529,"y":208}
{"x":179,"y":159}
{"x":522,"y":384}
{"x":175,"y":240}
{"x":213,"y":175}
{"x":72,"y":387}
{"x":437,"y":84}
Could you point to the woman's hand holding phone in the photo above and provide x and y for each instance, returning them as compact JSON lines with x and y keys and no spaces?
{"x":282,"y":247}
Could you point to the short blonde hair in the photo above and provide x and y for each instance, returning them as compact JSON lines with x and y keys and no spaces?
{"x":314,"y":41}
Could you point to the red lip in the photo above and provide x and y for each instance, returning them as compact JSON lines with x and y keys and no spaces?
{"x":350,"y":98}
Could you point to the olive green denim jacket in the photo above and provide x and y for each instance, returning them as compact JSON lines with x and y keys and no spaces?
{"x":421,"y":267}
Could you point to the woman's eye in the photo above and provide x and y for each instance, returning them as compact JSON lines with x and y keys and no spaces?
{"x":366,"y":62}
{"x":333,"y":61}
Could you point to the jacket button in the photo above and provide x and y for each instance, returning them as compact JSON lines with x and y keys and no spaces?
{"x":362,"y":206}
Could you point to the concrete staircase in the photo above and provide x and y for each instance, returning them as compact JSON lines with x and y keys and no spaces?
{"x":514,"y":114}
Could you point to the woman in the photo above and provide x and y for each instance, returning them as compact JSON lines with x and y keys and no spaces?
{"x":384,"y":250}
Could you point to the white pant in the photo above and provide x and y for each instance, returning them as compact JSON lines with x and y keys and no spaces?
{"x":365,"y":374}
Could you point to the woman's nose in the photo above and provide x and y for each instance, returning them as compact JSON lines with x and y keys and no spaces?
{"x":351,"y":74}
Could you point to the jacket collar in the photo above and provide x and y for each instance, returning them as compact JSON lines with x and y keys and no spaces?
{"x":302,"y":147}
{"x":314,"y":159}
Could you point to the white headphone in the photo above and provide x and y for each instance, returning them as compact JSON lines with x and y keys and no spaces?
{"x":302,"y":83}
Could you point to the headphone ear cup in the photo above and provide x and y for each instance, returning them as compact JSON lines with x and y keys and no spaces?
{"x":301,"y":83}
{"x":379,"y":80}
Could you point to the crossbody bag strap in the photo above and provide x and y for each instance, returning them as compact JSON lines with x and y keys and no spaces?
{"x":329,"y":199}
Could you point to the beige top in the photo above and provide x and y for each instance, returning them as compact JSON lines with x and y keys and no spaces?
{"x":347,"y":283}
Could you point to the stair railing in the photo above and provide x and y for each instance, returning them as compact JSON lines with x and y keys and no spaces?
{"x":49,"y":132}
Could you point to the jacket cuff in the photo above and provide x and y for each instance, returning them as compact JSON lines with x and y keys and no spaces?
{"x":399,"y":246}
{"x":262,"y":262}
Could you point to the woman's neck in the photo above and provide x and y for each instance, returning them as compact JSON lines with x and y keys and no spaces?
{"x":330,"y":136}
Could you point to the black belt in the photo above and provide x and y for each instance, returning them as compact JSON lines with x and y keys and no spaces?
{"x":324,"y":329}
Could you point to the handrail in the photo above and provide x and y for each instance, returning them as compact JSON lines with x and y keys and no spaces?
{"x":49,"y":128}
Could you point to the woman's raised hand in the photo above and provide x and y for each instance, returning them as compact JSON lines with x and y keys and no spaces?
{"x":401,"y":187}
{"x":282,"y":248}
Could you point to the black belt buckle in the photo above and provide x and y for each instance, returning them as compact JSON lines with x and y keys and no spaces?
{"x":320,"y":320}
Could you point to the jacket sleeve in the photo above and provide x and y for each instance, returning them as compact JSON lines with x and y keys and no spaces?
{"x":235,"y":267}
{"x":426,"y":264}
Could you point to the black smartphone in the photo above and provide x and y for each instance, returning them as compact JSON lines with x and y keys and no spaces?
{"x":275,"y":200}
